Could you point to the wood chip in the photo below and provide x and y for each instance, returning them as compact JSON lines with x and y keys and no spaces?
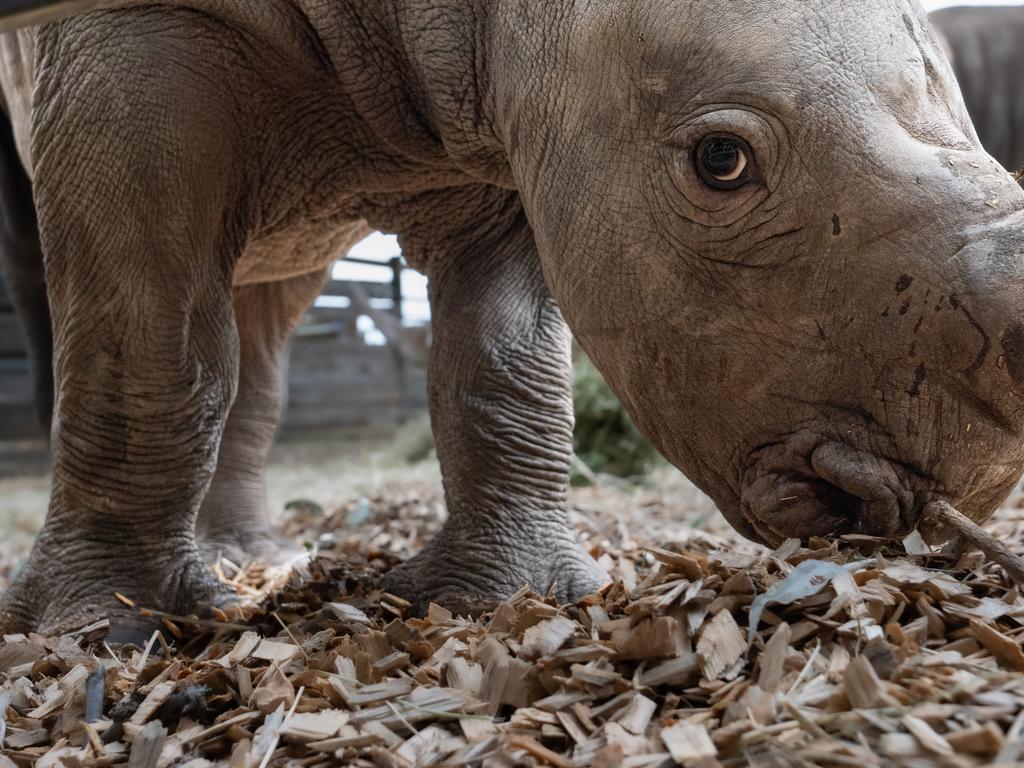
{"x":148,"y":746}
{"x":465,"y":675}
{"x":690,"y":745}
{"x":914,"y":544}
{"x":720,"y":646}
{"x":999,"y":645}
{"x":373,"y":694}
{"x":650,"y":639}
{"x":680,"y":671}
{"x":983,"y":740}
{"x":774,"y":658}
{"x":157,"y":696}
{"x":270,"y":650}
{"x":314,"y":726}
{"x":929,"y":739}
{"x":862,"y":685}
{"x":427,"y":747}
{"x":5,"y":702}
{"x":636,"y":715}
{"x":243,"y":649}
{"x":545,"y":638}
{"x":61,"y":691}
{"x":274,"y":691}
{"x":538,"y":751}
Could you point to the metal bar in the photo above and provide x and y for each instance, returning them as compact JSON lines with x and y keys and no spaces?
{"x":23,"y":13}
{"x":372,"y":263}
{"x":367,"y":262}
{"x":397,"y":265}
{"x":396,"y":284}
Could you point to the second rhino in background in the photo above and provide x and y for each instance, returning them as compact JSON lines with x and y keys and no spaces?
{"x":986,"y":46}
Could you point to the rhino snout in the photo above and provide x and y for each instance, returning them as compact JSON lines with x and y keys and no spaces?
{"x":809,"y":487}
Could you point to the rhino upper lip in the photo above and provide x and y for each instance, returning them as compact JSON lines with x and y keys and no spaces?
{"x":810,"y":485}
{"x":875,"y":480}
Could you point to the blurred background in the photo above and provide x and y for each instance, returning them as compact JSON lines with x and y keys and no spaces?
{"x":355,"y":420}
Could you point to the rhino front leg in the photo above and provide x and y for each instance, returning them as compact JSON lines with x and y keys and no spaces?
{"x":137,"y":186}
{"x":501,"y":408}
{"x":139,"y":410}
{"x":233,"y":518}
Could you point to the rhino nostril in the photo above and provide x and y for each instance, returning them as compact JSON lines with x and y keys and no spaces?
{"x":1013,"y":352}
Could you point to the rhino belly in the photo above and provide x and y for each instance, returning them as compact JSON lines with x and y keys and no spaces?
{"x":296,"y":251}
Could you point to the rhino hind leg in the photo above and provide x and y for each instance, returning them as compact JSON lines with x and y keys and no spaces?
{"x":501,"y":408}
{"x":233,"y":519}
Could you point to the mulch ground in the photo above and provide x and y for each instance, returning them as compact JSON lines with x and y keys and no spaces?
{"x":705,"y":651}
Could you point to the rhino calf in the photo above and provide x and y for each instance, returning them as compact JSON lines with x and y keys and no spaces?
{"x":770,"y":225}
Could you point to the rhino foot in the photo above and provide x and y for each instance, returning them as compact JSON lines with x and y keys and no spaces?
{"x":58,"y":595}
{"x":468,"y":578}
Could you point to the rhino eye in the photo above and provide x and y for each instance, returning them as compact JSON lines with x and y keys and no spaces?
{"x":723,"y":161}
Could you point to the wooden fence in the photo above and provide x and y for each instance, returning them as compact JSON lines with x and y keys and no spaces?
{"x":335,"y":379}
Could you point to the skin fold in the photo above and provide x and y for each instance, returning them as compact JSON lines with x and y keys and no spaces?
{"x":772,"y":227}
{"x":983,"y":44}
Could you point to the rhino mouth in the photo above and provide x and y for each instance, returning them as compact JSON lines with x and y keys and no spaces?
{"x":807,"y":487}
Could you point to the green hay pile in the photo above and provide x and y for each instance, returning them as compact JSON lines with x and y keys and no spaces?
{"x":605,"y":439}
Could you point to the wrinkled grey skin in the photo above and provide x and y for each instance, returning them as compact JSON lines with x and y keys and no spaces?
{"x":986,"y":50}
{"x":823,"y":349}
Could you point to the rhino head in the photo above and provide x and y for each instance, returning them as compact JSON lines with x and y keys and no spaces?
{"x":774,"y":230}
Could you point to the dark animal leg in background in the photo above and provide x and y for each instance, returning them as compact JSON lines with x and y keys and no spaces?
{"x":22,"y":261}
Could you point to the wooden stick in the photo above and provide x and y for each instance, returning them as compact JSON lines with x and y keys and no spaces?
{"x":941,"y":514}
